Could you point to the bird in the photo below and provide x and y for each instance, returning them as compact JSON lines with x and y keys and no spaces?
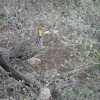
{"x":29,"y":48}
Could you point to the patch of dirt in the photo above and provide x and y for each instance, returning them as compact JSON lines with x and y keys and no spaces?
{"x":54,"y":57}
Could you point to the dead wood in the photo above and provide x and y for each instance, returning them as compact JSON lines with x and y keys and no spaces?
{"x":16,"y":74}
{"x":8,"y":67}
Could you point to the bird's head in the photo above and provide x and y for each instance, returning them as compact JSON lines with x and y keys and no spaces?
{"x":41,"y":29}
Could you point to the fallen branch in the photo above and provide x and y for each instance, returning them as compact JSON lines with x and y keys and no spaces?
{"x":16,"y":74}
{"x":44,"y":92}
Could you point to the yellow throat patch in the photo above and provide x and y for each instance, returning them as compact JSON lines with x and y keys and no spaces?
{"x":40,"y":32}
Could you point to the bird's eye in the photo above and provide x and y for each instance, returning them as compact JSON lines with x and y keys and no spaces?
{"x":43,"y":26}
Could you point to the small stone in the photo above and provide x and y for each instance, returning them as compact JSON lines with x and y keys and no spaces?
{"x":34,"y":60}
{"x":45,"y":94}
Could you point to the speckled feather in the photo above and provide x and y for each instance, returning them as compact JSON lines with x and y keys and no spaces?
{"x":27,"y":49}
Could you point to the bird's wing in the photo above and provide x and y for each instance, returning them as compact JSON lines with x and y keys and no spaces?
{"x":17,"y":50}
